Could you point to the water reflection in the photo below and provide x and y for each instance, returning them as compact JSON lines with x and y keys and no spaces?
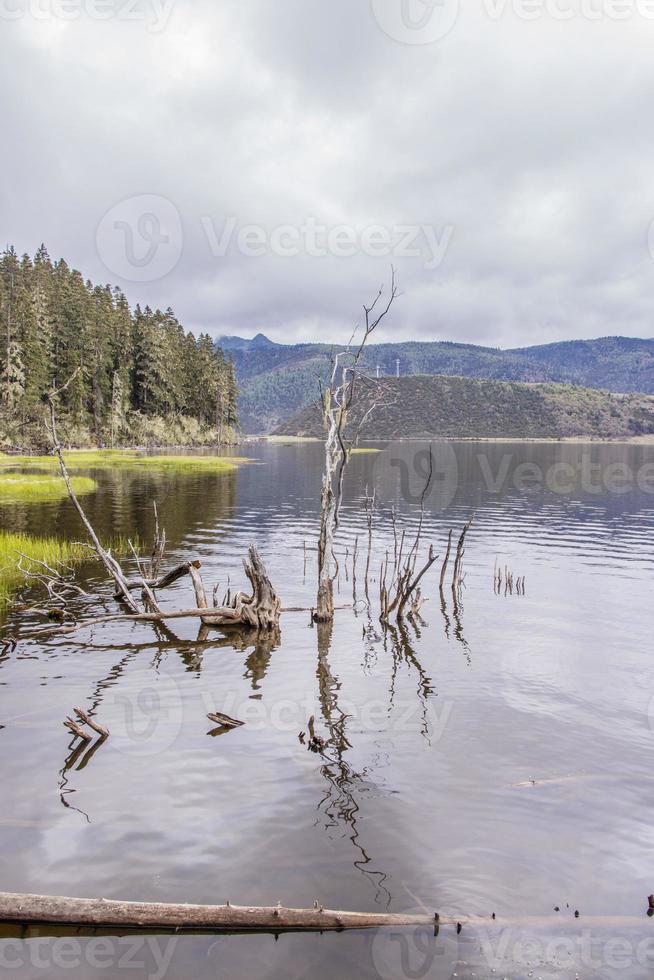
{"x":339,"y":805}
{"x":399,"y":802}
{"x":402,"y":650}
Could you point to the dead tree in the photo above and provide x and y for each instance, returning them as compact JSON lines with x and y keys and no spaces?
{"x":337,"y":400}
{"x":457,"y":574}
{"x":446,"y":561}
{"x":505,"y":577}
{"x":404,"y":588}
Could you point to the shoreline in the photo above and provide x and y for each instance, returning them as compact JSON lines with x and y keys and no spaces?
{"x":643,"y":440}
{"x":10,"y":451}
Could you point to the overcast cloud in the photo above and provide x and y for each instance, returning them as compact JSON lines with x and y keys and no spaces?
{"x":259,"y":164}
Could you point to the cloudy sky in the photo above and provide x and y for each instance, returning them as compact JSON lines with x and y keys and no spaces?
{"x":260,"y":164}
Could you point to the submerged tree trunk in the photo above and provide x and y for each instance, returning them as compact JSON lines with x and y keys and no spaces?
{"x":325,"y":599}
{"x":337,"y":399}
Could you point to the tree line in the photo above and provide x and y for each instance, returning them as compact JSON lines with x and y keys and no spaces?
{"x":131,"y":368}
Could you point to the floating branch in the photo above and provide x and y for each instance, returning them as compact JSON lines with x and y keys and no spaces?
{"x":224,"y":720}
{"x":77,"y":730}
{"x":85,"y":717}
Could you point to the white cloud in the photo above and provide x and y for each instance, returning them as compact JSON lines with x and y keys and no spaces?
{"x":530,"y":139}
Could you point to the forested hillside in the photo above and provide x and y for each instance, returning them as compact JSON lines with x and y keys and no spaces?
{"x":447,"y":407}
{"x":277,"y":380}
{"x":141,"y":378}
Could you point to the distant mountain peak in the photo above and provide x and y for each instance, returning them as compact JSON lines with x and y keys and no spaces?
{"x":243,"y":343}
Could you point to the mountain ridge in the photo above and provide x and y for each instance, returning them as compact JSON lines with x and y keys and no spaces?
{"x":278,"y":380}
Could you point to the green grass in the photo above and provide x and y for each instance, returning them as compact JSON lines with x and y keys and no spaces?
{"x":186,"y":464}
{"x":48,"y":550}
{"x":93,"y":459}
{"x":52,"y":551}
{"x":37,"y":488}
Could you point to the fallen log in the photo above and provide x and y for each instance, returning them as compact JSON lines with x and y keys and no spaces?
{"x":228,"y":618}
{"x":261,"y":610}
{"x":78,"y":913}
{"x":105,"y":913}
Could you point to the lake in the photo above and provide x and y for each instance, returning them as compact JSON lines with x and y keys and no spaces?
{"x":493,"y":757}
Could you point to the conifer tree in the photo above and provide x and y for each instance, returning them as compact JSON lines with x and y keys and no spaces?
{"x":54,"y":325}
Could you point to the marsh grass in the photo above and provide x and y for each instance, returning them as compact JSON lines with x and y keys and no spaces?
{"x":55,"y":553}
{"x":98,"y":458}
{"x":37,"y":488}
{"x":187,"y":464}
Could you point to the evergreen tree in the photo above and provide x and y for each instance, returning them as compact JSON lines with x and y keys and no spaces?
{"x":54,"y":325}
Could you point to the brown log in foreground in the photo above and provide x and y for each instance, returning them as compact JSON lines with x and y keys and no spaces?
{"x":40,"y":910}
{"x":141,"y":915}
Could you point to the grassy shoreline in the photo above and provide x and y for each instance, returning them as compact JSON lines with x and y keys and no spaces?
{"x":37,"y":488}
{"x":82,"y":459}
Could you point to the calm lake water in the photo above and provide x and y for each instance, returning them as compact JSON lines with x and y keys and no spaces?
{"x":492,"y":758}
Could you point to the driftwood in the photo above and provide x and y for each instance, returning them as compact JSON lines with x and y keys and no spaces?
{"x":224,"y":720}
{"x":77,"y":730}
{"x":215,"y":918}
{"x":163,"y":581}
{"x":85,"y":717}
{"x":107,"y":914}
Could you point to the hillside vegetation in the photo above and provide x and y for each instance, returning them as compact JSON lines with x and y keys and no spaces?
{"x":277,"y":380}
{"x":449,"y":407}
